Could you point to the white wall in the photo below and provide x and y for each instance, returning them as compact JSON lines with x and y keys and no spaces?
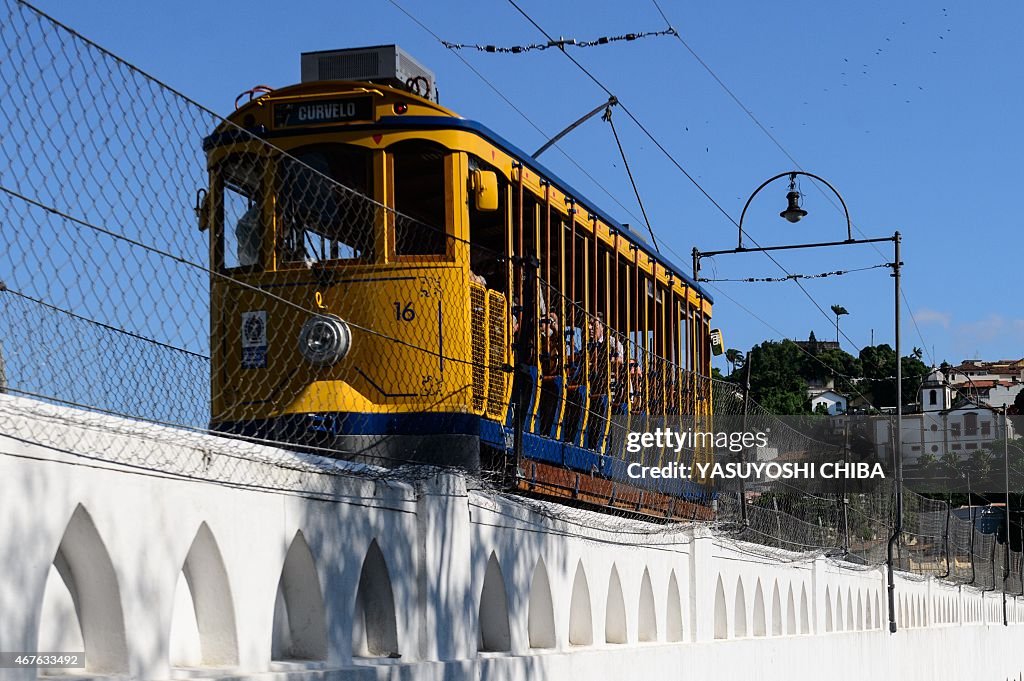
{"x":114,"y":538}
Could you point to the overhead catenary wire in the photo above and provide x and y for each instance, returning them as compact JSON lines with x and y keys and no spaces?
{"x":522,"y":114}
{"x":576,"y":163}
{"x":799,"y":533}
{"x":647,"y":133}
{"x":560,"y":43}
{"x":676,"y":163}
{"x":763,"y":128}
{"x":822,"y":275}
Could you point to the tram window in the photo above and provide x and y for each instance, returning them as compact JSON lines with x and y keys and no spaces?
{"x":241,"y":227}
{"x":487,"y":236}
{"x":419,"y":201}
{"x":324,"y":203}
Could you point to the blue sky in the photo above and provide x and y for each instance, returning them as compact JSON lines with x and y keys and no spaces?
{"x":909,"y":109}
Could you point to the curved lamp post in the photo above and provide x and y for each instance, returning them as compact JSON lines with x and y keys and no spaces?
{"x":793,"y":213}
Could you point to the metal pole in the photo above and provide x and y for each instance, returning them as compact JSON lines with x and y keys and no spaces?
{"x":945,"y":540}
{"x":844,"y":500}
{"x":743,"y":454}
{"x":1006,"y":510}
{"x":897,"y":440}
{"x":970,"y":544}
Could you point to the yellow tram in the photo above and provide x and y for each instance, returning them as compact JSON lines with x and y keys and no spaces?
{"x":396,"y":283}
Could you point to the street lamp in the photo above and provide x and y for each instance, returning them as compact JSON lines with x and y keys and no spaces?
{"x":838,"y":311}
{"x":793,"y":213}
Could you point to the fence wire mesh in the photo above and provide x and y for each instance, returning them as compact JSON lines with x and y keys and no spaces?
{"x":114,"y":302}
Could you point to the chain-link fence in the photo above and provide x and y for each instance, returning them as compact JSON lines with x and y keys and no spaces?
{"x":116,"y":301}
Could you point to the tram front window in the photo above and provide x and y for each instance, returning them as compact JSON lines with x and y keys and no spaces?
{"x":324,"y":204}
{"x":242,"y":230}
{"x":418,"y":177}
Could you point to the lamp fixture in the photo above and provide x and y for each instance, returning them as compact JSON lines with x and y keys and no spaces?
{"x":793,"y":211}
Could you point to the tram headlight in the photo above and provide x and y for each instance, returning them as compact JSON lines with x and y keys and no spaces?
{"x":324,"y":340}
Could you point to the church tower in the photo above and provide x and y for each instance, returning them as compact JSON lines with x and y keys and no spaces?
{"x":936,"y":394}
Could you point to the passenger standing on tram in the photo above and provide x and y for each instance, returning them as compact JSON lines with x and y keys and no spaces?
{"x":603,"y":354}
{"x":551,"y":369}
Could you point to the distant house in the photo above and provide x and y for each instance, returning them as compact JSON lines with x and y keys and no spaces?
{"x":835,"y":402}
{"x":995,"y":384}
{"x":975,"y":370}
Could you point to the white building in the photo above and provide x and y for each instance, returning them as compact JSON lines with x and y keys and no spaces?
{"x":978,"y":370}
{"x":835,"y":402}
{"x":939,"y":428}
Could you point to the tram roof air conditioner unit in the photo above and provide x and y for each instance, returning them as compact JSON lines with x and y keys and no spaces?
{"x":383,"y":64}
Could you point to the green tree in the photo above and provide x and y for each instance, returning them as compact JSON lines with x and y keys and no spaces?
{"x":734,"y":357}
{"x":837,"y":364}
{"x":878,"y":366}
{"x":777,"y":377}
{"x":1018,"y":403}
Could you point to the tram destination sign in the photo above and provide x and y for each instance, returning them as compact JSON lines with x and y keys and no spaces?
{"x":293,"y":114}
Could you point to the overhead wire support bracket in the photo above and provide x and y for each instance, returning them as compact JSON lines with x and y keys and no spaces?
{"x":605,"y":106}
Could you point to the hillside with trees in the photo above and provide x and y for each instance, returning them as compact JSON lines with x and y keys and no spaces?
{"x":782,"y":371}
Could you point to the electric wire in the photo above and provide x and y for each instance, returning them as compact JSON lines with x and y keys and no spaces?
{"x":501,"y":95}
{"x":822,"y":275}
{"x":560,"y":43}
{"x":791,"y":158}
{"x":676,"y":163}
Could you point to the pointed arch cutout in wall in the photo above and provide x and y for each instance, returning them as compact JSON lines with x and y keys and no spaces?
{"x":791,"y":613}
{"x":805,"y":612}
{"x":759,"y":617}
{"x":204,"y":611}
{"x":849,"y":610}
{"x":300,"y":617}
{"x":674,"y":612}
{"x":82,"y":599}
{"x":776,"y":611}
{"x":615,"y":610}
{"x":581,"y":623}
{"x":829,"y":625}
{"x":721,"y":613}
{"x":739,"y":611}
{"x":374,"y":624}
{"x":495,"y":635}
{"x":541,"y":611}
{"x":647,"y":618}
